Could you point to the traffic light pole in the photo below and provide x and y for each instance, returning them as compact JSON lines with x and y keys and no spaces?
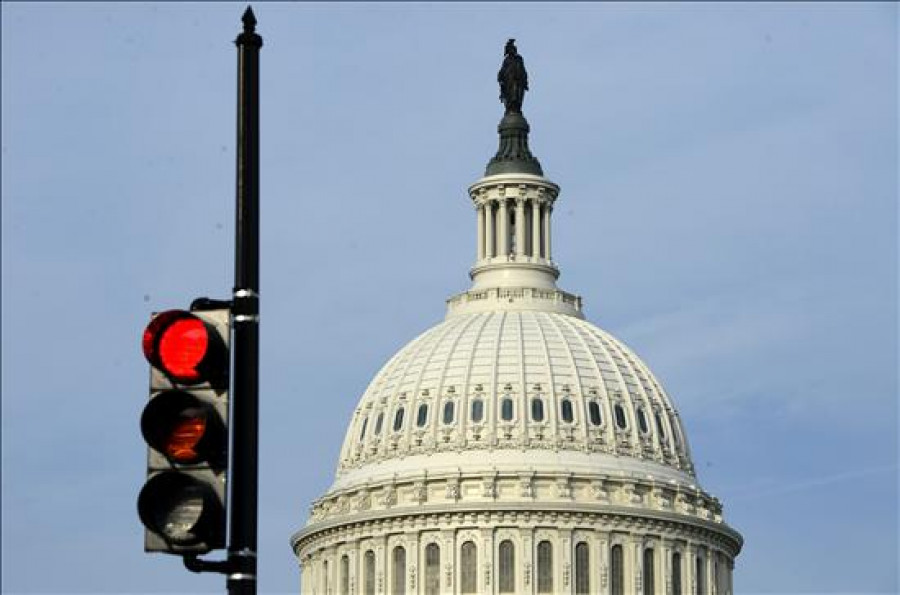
{"x":244,"y":420}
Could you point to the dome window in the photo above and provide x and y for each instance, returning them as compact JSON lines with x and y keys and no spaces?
{"x":362,"y":432}
{"x":378,"y":421}
{"x":506,"y":409}
{"x":469,"y":570}
{"x":659,"y":427}
{"x":537,"y":409}
{"x":582,"y":569}
{"x":545,"y":567}
{"x":620,"y":417}
{"x":398,"y":419}
{"x":642,"y":421}
{"x":422,"y":415}
{"x":477,"y":411}
{"x":507,"y":555}
{"x":432,"y":569}
{"x":399,"y":571}
{"x":448,"y":413}
{"x":567,"y":414}
{"x":594,"y":413}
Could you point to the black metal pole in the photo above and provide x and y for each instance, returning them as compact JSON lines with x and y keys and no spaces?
{"x":244,"y":471}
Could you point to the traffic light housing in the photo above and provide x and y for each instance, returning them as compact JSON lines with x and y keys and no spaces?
{"x":185,"y":425}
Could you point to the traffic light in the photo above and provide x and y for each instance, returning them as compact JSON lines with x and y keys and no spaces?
{"x":185,"y":425}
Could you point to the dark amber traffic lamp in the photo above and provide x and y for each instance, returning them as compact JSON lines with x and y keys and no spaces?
{"x":184,"y":428}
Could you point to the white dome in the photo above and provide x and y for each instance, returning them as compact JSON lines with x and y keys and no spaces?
{"x":574,"y":396}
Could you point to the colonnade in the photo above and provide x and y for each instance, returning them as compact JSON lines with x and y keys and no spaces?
{"x":510,"y":560}
{"x":521,"y":229}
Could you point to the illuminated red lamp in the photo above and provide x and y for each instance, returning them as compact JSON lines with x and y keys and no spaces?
{"x":184,"y":347}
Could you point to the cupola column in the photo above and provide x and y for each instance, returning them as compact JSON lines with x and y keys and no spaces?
{"x":488,"y":230}
{"x":547,"y":210}
{"x":480,"y":233}
{"x":520,"y":226}
{"x":535,"y":229}
{"x":503,"y":224}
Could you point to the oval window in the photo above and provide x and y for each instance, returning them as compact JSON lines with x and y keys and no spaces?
{"x":659,"y":427}
{"x":620,"y":417}
{"x":422,"y":415}
{"x":378,"y":421}
{"x":567,"y":415}
{"x":448,"y":412}
{"x":477,"y":410}
{"x":362,"y":432}
{"x":594,"y":412}
{"x":398,"y":420}
{"x":506,"y":409}
{"x":537,"y":409}
{"x":642,"y":421}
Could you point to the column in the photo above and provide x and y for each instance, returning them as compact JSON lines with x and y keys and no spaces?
{"x":489,"y":230}
{"x":520,"y":226}
{"x":480,"y":233}
{"x":547,"y":210}
{"x":503,"y":231}
{"x":535,"y":228}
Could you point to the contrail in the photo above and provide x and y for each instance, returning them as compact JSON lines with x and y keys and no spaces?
{"x":813,"y":482}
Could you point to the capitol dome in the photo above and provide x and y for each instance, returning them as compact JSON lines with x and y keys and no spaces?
{"x":515,"y":447}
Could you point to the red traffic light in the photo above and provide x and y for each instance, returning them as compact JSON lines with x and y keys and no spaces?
{"x":184,"y":347}
{"x":184,"y":428}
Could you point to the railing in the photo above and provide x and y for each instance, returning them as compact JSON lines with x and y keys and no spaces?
{"x":512,"y":294}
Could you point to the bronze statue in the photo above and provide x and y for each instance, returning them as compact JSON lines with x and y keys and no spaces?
{"x":513,"y":79}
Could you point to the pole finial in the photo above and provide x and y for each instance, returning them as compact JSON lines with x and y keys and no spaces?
{"x":249,"y":37}
{"x":249,"y":20}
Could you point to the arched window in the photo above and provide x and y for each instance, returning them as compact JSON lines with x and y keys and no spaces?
{"x":582,"y":569}
{"x":649,"y":572}
{"x":594,"y":413}
{"x":537,"y":409}
{"x":398,"y":573}
{"x":620,"y":417}
{"x":616,"y":571}
{"x":468,"y":561}
{"x":506,"y":409}
{"x":362,"y":432}
{"x":345,"y":573}
{"x":676,"y":574}
{"x":369,"y":576}
{"x":432,"y":569}
{"x":378,"y":421}
{"x":477,"y":410}
{"x":449,"y":411}
{"x":701,"y":575}
{"x":659,"y":428}
{"x":507,"y":582}
{"x":545,"y":567}
{"x":422,"y":415}
{"x":567,"y":415}
{"x":398,"y":419}
{"x":642,"y":421}
{"x":675,"y":435}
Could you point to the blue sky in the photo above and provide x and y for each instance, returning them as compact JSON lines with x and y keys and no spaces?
{"x":728,"y":209}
